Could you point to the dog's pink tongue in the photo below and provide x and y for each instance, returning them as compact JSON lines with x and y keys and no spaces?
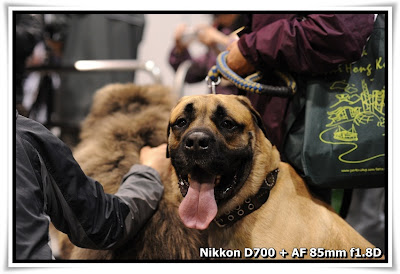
{"x":199,"y":208}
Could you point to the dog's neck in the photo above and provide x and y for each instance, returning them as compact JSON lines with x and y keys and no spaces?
{"x":265,"y":162}
{"x":251,"y":204}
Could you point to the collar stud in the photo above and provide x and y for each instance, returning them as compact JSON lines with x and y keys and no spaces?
{"x":251,"y":204}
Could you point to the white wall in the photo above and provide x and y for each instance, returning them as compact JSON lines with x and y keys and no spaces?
{"x":158,"y":41}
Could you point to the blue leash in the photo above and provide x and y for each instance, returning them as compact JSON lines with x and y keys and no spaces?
{"x":250,"y":82}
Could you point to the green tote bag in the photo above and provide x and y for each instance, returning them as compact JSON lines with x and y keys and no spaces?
{"x":341,"y":142}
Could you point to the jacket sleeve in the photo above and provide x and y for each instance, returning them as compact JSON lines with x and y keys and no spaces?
{"x":199,"y":65}
{"x":176,"y":58}
{"x":105,"y":221}
{"x":77,"y":204}
{"x":314,"y":43}
{"x":141,"y":190}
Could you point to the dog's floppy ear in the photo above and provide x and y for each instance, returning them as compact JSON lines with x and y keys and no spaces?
{"x":255,"y":114}
{"x":168,"y":131}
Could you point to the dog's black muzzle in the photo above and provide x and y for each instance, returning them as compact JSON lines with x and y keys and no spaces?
{"x":199,"y":148}
{"x":199,"y":143}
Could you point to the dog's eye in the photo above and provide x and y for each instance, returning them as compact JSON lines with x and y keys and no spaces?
{"x":181,"y":122}
{"x":228,"y":124}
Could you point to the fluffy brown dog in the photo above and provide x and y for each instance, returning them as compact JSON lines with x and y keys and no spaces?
{"x":235,"y":185}
{"x":123,"y":119}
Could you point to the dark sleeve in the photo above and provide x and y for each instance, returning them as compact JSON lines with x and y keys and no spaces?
{"x":312,"y":44}
{"x":77,"y":204}
{"x":199,"y":67}
{"x":31,"y":223}
{"x":141,"y":190}
{"x":176,"y":58}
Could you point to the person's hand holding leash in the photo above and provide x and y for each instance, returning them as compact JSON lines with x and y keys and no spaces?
{"x":236,"y":61}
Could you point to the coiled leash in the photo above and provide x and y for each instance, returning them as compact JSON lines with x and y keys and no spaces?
{"x":250,"y":82}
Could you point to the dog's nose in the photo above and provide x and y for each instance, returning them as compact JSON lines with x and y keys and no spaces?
{"x":197,"y":141}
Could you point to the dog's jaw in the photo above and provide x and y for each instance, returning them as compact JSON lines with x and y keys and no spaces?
{"x":202,"y":191}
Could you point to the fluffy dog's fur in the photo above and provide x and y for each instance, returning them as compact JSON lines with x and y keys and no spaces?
{"x":123,"y":119}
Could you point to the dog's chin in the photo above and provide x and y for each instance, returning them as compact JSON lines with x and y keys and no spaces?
{"x":225,"y":184}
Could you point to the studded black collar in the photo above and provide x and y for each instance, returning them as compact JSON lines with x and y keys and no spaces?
{"x":250,"y":204}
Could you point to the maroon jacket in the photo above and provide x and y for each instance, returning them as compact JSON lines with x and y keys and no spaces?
{"x":300,"y":44}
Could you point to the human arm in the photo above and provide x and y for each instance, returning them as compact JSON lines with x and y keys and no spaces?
{"x":200,"y":65}
{"x":75,"y":203}
{"x":138,"y":189}
{"x":213,"y":38}
{"x":314,"y":43}
{"x":156,"y":158}
{"x":179,"y":52}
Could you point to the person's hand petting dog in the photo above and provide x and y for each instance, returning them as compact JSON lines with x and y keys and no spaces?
{"x":156,"y":158}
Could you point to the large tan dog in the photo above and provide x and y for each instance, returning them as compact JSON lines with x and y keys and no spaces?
{"x":235,"y":185}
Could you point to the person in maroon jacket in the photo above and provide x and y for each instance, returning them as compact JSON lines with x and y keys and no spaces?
{"x":305,"y":45}
{"x":301,"y":44}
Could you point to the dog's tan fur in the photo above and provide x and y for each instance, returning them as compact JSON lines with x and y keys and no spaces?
{"x":123,"y":119}
{"x":292,"y":217}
